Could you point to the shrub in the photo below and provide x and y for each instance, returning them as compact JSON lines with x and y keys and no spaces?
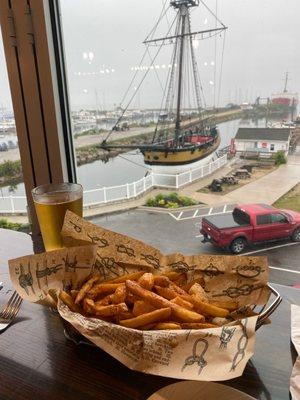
{"x":280,"y":158}
{"x":172,"y":200}
{"x":159,"y":197}
{"x":172,"y":197}
{"x":13,"y":226}
{"x":150,"y":202}
{"x":186,"y":201}
{"x":171,"y":204}
{"x":10,"y":168}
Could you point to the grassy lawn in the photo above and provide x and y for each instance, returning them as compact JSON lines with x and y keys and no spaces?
{"x":291,"y":200}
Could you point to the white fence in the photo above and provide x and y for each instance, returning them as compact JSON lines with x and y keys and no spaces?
{"x":105,"y":195}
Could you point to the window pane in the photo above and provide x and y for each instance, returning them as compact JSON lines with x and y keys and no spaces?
{"x":263,"y":219}
{"x":12,"y":193}
{"x":238,"y":91}
{"x":278,"y":218}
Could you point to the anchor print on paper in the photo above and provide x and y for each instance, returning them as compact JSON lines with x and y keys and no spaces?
{"x":71,"y":265}
{"x":226,"y":336}
{"x":45,"y":272}
{"x":200,"y":347}
{"x":182,"y":266}
{"x":107,"y":266}
{"x":76,"y":227}
{"x":151,"y":260}
{"x":100,"y":242}
{"x":211,"y":270}
{"x":121,"y":248}
{"x":249,"y":271}
{"x":26,"y":280}
{"x":236,"y":291}
{"x":241,"y":347}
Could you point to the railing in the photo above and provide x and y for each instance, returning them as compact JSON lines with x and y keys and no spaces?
{"x":17,"y":204}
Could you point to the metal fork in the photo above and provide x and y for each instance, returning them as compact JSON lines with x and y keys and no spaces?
{"x":10,"y":310}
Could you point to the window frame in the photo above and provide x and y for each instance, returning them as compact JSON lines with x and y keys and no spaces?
{"x":34,"y":52}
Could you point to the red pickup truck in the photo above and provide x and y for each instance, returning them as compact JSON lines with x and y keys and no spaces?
{"x":251,"y":223}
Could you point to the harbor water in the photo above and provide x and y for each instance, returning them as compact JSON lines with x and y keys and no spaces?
{"x":130,"y":167}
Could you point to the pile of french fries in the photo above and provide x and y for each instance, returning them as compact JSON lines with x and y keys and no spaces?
{"x":145,"y":301}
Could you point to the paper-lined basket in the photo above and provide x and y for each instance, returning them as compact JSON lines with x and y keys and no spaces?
{"x":208,"y":354}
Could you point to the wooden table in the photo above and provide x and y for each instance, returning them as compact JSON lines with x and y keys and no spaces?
{"x":38,"y":362}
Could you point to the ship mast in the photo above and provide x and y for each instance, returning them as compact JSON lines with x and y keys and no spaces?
{"x":184,"y":17}
{"x":175,"y":88}
{"x":286,"y":82}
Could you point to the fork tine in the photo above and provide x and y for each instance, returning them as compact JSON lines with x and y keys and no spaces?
{"x":10,"y":309}
{"x":3,"y":312}
{"x":17,"y":308}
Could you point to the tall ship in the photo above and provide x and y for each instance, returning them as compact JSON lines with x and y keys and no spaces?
{"x":185,"y":137}
{"x":286,"y":99}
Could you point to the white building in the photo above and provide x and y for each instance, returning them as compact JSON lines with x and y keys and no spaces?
{"x":264,"y":140}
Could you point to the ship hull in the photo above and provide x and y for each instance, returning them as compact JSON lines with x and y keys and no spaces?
{"x":180,"y":160}
{"x":178,"y":169}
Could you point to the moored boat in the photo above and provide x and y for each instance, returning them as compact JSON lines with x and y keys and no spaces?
{"x":180,"y":142}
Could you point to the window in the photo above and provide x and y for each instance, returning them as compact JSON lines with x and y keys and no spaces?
{"x":279,"y":218}
{"x":263,"y":219}
{"x":241,"y":217}
{"x":272,"y":146}
{"x":12,"y":192}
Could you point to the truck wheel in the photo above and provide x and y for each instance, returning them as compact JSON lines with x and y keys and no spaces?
{"x":238,"y":245}
{"x":296,"y":235}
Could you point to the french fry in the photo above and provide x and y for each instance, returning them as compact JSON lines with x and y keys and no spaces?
{"x":102,"y":289}
{"x":198,"y":325}
{"x":145,"y":319}
{"x":146,"y":281}
{"x":183,"y":303}
{"x":181,"y":281}
{"x":133,"y":277}
{"x":172,"y":275}
{"x":209,"y":309}
{"x":86,"y":287}
{"x":120,"y":294}
{"x":125,"y":315}
{"x":141,"y":307}
{"x":131,"y":298}
{"x":158,"y":302}
{"x":190,"y":284}
{"x":74,"y":293}
{"x":88,"y":305}
{"x":177,"y":289}
{"x":161,"y":280}
{"x":166,"y":326}
{"x":147,"y":327}
{"x":220,"y":321}
{"x":198,"y":290}
{"x":228,"y":305}
{"x":185,"y":315}
{"x":155,"y":300}
{"x":165,"y":292}
{"x":106,"y":300}
{"x":105,"y":311}
{"x":67,"y":299}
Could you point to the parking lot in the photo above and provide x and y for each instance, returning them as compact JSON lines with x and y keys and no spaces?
{"x":179,"y":232}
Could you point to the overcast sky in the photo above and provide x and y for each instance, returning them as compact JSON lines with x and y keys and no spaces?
{"x":262,"y":43}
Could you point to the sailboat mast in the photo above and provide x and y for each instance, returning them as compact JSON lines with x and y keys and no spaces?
{"x":183,"y":15}
{"x":286,"y":82}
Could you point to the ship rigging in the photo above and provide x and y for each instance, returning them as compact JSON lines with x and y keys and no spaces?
{"x":179,"y":139}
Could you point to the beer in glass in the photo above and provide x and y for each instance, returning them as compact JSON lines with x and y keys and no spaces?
{"x":51,"y":203}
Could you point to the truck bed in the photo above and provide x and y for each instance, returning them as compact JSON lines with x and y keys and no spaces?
{"x":224,"y":221}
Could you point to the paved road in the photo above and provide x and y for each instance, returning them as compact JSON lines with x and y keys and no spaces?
{"x":172,"y":234}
